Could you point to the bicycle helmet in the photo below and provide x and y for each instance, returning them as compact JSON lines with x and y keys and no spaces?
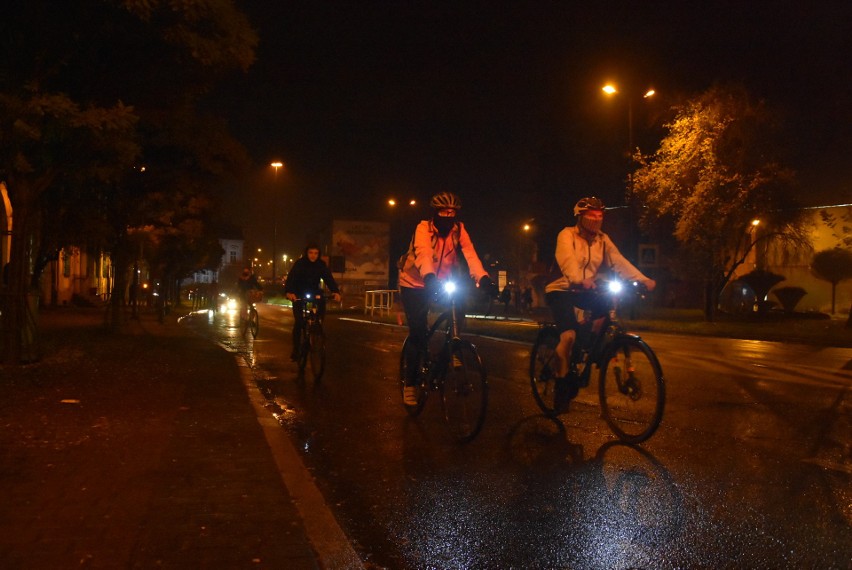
{"x":590,"y":203}
{"x":445,"y":200}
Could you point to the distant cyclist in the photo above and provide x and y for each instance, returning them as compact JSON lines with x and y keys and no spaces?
{"x":582,"y":250}
{"x":307,"y":277}
{"x":246,"y":283}
{"x":434,"y":255}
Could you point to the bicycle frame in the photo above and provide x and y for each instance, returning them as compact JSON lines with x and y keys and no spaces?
{"x":631,"y":386}
{"x":590,"y":344}
{"x":452,"y":367}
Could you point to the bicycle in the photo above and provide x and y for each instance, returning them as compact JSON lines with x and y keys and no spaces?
{"x":631,"y":385}
{"x":312,"y":337}
{"x":451,"y":366}
{"x":250,"y":318}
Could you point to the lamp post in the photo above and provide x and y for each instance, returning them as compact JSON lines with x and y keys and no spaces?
{"x":527,"y":249}
{"x":612,"y":90}
{"x":395,"y":229}
{"x":276,"y":166}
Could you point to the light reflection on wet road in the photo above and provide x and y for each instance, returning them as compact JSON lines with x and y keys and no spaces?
{"x":751,"y":467}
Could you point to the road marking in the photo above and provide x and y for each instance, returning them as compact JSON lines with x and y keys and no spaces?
{"x":329,"y":541}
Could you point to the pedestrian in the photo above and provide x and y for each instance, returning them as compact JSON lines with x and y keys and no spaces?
{"x":506,"y":298}
{"x":526,"y":299}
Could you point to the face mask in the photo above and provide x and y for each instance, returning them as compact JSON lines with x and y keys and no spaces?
{"x":591,"y":226}
{"x":443,"y":224}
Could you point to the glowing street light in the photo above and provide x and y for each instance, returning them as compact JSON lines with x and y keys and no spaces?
{"x":276,"y":165}
{"x":611,"y":90}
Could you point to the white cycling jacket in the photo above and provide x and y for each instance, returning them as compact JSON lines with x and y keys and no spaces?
{"x":578,"y":259}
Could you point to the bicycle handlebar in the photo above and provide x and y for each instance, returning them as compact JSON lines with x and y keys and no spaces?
{"x":613,"y":287}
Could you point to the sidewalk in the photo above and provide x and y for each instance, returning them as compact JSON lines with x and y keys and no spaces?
{"x":137,"y":450}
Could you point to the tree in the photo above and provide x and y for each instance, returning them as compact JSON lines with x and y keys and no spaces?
{"x":718,"y":169}
{"x":85,"y":88}
{"x":832,"y":265}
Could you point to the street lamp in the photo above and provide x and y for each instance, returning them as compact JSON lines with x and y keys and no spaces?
{"x":276,"y":166}
{"x":612,"y":90}
{"x":395,"y":232}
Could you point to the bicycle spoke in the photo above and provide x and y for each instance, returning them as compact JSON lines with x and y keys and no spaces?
{"x":543,"y":372}
{"x":254,"y":322}
{"x":464,"y":392}
{"x":317,"y":351}
{"x":632,"y":390}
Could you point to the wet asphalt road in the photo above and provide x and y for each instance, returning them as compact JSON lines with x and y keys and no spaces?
{"x":750,"y":469}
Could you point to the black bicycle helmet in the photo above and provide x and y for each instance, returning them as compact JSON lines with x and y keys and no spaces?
{"x":590,"y":203}
{"x":445,"y":200}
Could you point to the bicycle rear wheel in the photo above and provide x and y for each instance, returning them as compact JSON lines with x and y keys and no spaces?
{"x":543,"y":372}
{"x":253,"y":322}
{"x":464,"y":391}
{"x":632,"y":389}
{"x":421,"y":386}
{"x":317,"y":350}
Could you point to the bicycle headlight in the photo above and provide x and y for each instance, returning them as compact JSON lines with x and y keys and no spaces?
{"x":449,"y":287}
{"x":615,"y":286}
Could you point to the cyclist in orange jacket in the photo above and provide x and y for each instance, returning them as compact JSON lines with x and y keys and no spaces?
{"x":434,"y":255}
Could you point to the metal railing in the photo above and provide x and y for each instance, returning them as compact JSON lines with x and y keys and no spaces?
{"x":379,"y":300}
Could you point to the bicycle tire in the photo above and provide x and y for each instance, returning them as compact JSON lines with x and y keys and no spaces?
{"x":253,"y":322}
{"x":464,"y":391}
{"x":543,"y":373}
{"x":244,"y":322}
{"x":317,"y":350}
{"x":304,"y":349}
{"x":421,"y":386}
{"x":632,"y":405}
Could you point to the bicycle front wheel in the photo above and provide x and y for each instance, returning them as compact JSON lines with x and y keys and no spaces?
{"x":253,"y":322}
{"x":304,"y":349}
{"x":244,"y":321}
{"x":543,"y":372}
{"x":317,"y":350}
{"x":464,"y":391}
{"x":421,"y":387}
{"x":632,"y":389}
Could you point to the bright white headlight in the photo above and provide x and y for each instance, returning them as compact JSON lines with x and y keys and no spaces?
{"x":615,"y":286}
{"x":449,"y":286}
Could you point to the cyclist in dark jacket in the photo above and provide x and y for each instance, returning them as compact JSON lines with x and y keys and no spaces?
{"x":305,"y":278}
{"x":246,"y":283}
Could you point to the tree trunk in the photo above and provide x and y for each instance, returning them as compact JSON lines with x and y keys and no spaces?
{"x":19,"y":325}
{"x":833,"y":293}
{"x":115,"y":312}
{"x":710,"y":299}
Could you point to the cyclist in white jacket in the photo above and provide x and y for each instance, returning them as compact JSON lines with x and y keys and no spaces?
{"x":582,"y":251}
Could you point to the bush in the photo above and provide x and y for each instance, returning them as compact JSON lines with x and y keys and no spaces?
{"x":789,"y":297}
{"x":761,"y":281}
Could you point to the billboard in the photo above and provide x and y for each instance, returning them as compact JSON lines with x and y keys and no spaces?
{"x":364,"y":248}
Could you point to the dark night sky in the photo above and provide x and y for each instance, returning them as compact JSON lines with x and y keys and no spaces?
{"x":501,"y":102}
